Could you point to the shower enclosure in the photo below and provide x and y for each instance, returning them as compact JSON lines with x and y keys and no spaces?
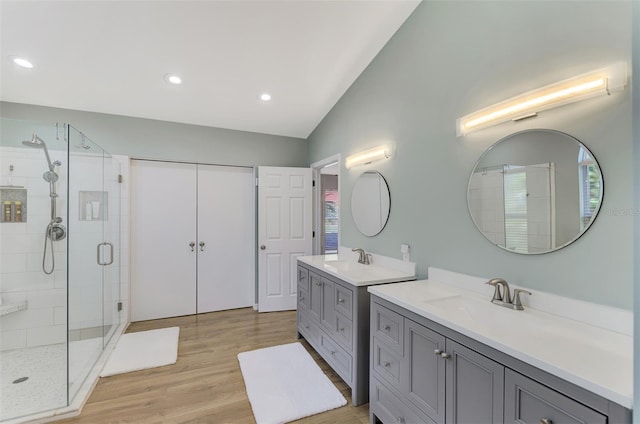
{"x":59,"y":265}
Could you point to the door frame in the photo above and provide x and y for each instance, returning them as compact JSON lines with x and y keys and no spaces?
{"x":317,"y":201}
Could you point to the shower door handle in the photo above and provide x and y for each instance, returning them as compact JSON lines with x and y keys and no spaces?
{"x":110,"y":253}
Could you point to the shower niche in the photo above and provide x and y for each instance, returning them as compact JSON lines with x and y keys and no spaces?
{"x":14,"y":204}
{"x":94,"y":205}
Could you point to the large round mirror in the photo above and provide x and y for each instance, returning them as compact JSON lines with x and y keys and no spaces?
{"x":535,"y":191}
{"x":370,"y":203}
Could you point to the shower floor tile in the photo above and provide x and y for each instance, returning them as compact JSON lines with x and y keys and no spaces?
{"x":46,"y":369}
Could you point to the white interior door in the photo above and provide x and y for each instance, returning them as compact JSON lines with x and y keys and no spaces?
{"x":163,"y":224}
{"x":284,"y":233}
{"x":226,"y":238}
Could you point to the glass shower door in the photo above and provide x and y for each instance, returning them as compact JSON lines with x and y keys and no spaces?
{"x":94,"y":196}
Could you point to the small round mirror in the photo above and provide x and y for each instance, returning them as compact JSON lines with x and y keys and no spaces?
{"x":370,"y":203}
{"x":535,"y":191}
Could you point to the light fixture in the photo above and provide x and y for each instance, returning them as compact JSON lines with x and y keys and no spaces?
{"x":367,"y":156}
{"x":582,"y":87}
{"x":265,"y":97}
{"x":173,"y":79}
{"x":20,"y":61}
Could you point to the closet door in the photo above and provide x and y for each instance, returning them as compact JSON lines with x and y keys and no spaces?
{"x":226,"y":238}
{"x":163,"y":224}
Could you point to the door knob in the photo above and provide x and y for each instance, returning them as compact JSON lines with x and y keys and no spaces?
{"x":262,"y":247}
{"x":192,"y":245}
{"x":201,"y":244}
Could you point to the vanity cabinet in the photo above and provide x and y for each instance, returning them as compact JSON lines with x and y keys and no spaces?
{"x":423,"y":372}
{"x":434,"y":375}
{"x":333,"y":316}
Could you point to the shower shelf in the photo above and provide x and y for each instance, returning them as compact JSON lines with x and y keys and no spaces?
{"x":12,"y":307}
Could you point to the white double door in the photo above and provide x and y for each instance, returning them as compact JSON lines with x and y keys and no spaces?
{"x":193,"y":238}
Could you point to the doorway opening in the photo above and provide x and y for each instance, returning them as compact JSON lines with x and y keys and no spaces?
{"x":327,"y":206}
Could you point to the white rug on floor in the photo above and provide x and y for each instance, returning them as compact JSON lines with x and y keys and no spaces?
{"x":285,"y":384}
{"x":142,"y":350}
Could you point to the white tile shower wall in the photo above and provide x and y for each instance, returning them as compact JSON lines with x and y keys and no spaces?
{"x":21,"y":276}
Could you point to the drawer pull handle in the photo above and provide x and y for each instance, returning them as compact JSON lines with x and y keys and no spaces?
{"x":445,"y":355}
{"x":437,"y":352}
{"x":340,"y":300}
{"x":387,"y":364}
{"x":400,"y":420}
{"x":545,"y":421}
{"x":386,"y":328}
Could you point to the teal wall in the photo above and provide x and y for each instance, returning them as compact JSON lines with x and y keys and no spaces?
{"x":451,"y":58}
{"x":152,"y":139}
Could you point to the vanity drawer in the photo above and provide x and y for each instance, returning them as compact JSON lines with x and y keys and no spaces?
{"x":337,"y":357}
{"x":308,"y":329}
{"x":386,"y":363}
{"x":389,"y":408}
{"x":344,"y":331}
{"x":387,"y":326}
{"x":303,"y":278}
{"x":303,"y":298}
{"x":529,"y":402}
{"x":344,"y":301}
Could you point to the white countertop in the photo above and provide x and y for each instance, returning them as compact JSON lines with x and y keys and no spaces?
{"x":594,"y":358}
{"x":347,"y":269}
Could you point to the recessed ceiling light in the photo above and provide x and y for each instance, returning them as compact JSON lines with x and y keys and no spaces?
{"x":173,"y":79}
{"x":265,"y":97}
{"x":21,"y":62}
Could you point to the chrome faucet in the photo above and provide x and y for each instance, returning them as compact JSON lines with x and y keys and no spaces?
{"x":504,"y":298}
{"x":364,"y":257}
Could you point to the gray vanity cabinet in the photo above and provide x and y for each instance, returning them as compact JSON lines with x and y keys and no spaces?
{"x":435,"y":377}
{"x":333,"y":316}
{"x":424,"y":372}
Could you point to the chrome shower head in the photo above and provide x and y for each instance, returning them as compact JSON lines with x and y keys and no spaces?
{"x":38,"y":143}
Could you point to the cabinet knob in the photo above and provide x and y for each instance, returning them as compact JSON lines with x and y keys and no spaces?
{"x":340,"y":300}
{"x":387,"y":364}
{"x":545,"y":421}
{"x":201,"y":244}
{"x":318,"y":283}
{"x":333,"y":352}
{"x":445,"y":355}
{"x":342,"y":329}
{"x":400,"y":420}
{"x":192,"y":245}
{"x":437,"y":352}
{"x":262,"y":247}
{"x":386,"y":328}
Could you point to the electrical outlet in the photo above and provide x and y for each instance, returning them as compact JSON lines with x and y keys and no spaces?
{"x":404,"y":249}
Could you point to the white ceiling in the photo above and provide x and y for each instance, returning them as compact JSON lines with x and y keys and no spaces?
{"x":111,"y":56}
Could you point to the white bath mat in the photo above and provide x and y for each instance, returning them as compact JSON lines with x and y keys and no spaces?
{"x":285,"y":384}
{"x":142,"y":350}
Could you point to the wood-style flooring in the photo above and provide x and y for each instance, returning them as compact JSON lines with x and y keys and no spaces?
{"x":205,"y":385}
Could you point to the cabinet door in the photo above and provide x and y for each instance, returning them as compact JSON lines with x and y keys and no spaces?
{"x":316,"y":296}
{"x":423,"y":371}
{"x":163,"y":223}
{"x":226,"y":238}
{"x":475,"y":387}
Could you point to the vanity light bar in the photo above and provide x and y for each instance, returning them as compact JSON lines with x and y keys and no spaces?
{"x":368,"y":156}
{"x":582,"y":87}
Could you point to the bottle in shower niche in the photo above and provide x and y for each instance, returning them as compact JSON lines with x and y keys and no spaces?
{"x":18,"y":211}
{"x":88,"y":211}
{"x":6,"y":211}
